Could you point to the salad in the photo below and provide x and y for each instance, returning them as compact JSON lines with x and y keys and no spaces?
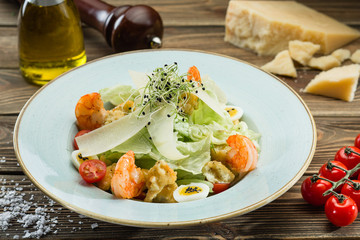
{"x":171,"y":138}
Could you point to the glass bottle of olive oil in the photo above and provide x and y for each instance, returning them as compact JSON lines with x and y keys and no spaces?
{"x":50,"y":39}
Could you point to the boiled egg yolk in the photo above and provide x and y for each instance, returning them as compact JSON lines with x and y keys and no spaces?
{"x":78,"y":159}
{"x":235,"y":112}
{"x":191,"y":192}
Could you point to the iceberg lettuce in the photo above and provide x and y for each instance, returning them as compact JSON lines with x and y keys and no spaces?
{"x":118,"y":94}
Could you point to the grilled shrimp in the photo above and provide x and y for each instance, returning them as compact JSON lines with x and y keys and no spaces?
{"x":90,"y":112}
{"x":194,"y":74}
{"x":242,"y":157}
{"x":128,"y":180}
{"x":190,"y":102}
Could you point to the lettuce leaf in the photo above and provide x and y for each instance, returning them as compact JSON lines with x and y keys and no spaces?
{"x":118,"y":94}
{"x":199,"y":154}
{"x":204,"y":115}
{"x":140,"y":143}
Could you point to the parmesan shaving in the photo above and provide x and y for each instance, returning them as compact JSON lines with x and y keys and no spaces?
{"x":214,"y":105}
{"x":139,"y":79}
{"x":162,"y":133}
{"x":111,"y":135}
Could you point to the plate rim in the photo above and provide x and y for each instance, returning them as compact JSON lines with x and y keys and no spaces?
{"x":137,"y":223}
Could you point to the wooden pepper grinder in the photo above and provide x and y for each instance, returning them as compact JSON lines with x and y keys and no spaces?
{"x":126,"y":27}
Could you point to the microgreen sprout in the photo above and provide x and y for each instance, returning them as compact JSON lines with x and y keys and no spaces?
{"x":167,"y":86}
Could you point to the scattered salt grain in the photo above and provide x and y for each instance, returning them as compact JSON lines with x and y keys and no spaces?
{"x":94,"y":225}
{"x":15,"y":209}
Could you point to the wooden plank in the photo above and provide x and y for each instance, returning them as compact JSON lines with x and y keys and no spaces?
{"x":8,"y":161}
{"x":15,"y":91}
{"x":202,"y":13}
{"x":9,"y":10}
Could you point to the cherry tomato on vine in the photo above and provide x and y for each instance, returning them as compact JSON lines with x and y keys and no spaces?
{"x":349,"y":156}
{"x":331,"y":172}
{"x":341,"y":212}
{"x":312,"y":190}
{"x":357,"y":141}
{"x":92,"y":170}
{"x":220,"y":187}
{"x":80,"y":133}
{"x":353,"y":191}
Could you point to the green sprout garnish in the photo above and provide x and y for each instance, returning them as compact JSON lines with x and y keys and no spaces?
{"x":167,"y":86}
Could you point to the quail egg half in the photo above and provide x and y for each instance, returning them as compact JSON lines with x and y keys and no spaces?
{"x":191,"y":192}
{"x":235,"y":112}
{"x":77,"y":159}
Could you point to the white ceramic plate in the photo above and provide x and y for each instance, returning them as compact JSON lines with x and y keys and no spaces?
{"x":45,"y":129}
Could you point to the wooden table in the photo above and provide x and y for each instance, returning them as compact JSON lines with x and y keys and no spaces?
{"x":191,"y":25}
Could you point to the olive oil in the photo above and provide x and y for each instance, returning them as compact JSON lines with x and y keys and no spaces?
{"x":50,"y":39}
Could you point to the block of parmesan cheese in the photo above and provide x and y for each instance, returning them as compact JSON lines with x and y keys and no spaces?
{"x":339,"y":82}
{"x":282,"y":64}
{"x":266,"y":27}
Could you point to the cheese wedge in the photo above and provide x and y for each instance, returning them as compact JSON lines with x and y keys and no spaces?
{"x":301,"y":51}
{"x":282,"y":64}
{"x":324,"y":62}
{"x":355,"y":57}
{"x":339,"y":82}
{"x":266,"y":27}
{"x":341,"y":54}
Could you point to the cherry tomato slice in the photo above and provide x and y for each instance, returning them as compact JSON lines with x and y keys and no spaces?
{"x":92,"y":170}
{"x":81,"y":132}
{"x":312,"y":191}
{"x":332,"y":172}
{"x":220,"y":187}
{"x":357,"y":141}
{"x":341,"y":213}
{"x":352,"y":191}
{"x":348,"y":158}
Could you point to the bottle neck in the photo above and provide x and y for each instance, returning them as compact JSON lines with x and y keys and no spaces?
{"x":45,"y":3}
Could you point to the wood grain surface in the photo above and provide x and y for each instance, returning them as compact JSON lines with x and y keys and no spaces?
{"x":191,"y":25}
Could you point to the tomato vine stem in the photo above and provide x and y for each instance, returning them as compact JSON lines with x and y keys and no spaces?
{"x":348,"y":151}
{"x":345,"y":180}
